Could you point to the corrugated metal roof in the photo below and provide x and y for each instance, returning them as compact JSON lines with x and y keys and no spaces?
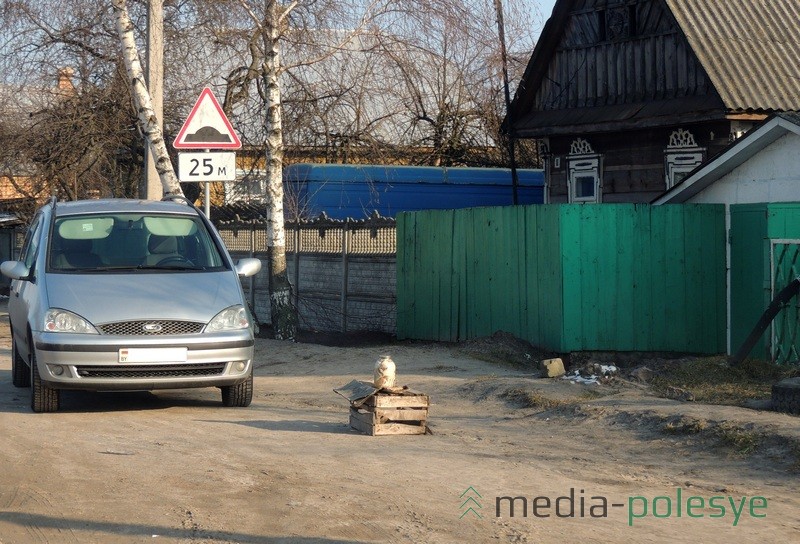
{"x":749,"y":48}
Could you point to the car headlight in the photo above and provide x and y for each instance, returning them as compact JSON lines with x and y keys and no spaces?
{"x":56,"y":320}
{"x":229,"y":319}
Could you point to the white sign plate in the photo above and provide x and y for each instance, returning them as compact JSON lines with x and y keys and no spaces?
{"x":152,"y":355}
{"x":215,"y":166}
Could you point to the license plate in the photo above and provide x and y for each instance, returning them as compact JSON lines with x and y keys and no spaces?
{"x":152,"y":355}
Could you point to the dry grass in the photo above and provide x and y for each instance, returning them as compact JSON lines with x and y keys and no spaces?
{"x":685,"y":425}
{"x":596,"y":393}
{"x":742,"y":441}
{"x":712,"y":380}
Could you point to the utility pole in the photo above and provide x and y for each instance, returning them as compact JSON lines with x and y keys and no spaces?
{"x":150,"y":187}
{"x":498,"y":6}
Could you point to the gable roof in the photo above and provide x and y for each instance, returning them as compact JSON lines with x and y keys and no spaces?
{"x":731,"y":157}
{"x":749,"y":51}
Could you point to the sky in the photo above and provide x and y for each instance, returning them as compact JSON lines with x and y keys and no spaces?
{"x":546,"y":8}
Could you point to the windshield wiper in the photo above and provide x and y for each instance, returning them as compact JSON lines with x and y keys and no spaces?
{"x":119,"y":268}
{"x":169,"y":267}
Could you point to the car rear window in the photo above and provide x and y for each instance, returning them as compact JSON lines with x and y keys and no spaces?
{"x":123,"y":241}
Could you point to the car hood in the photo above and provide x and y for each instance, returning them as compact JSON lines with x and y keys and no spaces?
{"x":104,"y":298}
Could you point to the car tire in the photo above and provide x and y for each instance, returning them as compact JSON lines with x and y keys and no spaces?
{"x":20,"y":373}
{"x":786,"y":396}
{"x":239,"y":395}
{"x":43,"y":397}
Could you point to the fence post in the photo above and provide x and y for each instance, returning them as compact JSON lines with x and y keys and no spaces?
{"x":345,"y":249}
{"x":297,"y":239}
{"x":251,"y":286}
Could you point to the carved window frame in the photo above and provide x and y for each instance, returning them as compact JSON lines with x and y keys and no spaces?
{"x":584,"y":165}
{"x":681,"y":156}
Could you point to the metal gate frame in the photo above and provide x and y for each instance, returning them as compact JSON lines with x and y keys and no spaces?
{"x":778,"y":327}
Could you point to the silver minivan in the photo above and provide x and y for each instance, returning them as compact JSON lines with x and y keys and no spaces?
{"x":128,"y":295}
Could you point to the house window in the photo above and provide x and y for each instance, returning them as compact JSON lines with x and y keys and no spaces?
{"x":681,"y":157}
{"x":585,"y":187}
{"x":583,"y":173}
{"x":617,"y":23}
{"x":584,"y":180}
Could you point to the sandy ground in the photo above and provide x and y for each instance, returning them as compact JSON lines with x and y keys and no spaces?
{"x":178,"y":467}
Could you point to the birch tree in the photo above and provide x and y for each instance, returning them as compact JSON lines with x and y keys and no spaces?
{"x":309,"y":23}
{"x":284,"y":316}
{"x":148,"y":123}
{"x":265,"y":64}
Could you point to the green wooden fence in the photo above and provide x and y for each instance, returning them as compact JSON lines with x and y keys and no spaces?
{"x":765,"y":256}
{"x":619,"y":277}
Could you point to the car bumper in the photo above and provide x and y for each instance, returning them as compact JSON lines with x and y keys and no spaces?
{"x":103,"y":363}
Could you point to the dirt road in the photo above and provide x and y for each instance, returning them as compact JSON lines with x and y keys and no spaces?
{"x":178,"y":467}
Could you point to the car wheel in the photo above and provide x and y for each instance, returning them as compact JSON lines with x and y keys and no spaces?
{"x":20,"y":374}
{"x":239,"y":395}
{"x":786,"y":396}
{"x":43,"y":397}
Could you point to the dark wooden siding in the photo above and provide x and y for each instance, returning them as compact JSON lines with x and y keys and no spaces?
{"x":650,"y":62}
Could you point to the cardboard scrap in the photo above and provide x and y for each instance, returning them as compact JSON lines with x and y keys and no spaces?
{"x":357,"y":392}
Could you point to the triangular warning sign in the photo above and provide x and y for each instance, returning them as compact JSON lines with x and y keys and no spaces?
{"x":207,"y":127}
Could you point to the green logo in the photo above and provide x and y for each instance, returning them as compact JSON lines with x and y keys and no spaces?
{"x":470,"y":503}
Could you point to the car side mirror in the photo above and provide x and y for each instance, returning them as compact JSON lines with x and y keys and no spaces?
{"x":246,"y":267}
{"x":16,"y":270}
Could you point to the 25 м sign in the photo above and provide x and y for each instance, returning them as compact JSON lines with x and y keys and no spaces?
{"x":216,"y":166}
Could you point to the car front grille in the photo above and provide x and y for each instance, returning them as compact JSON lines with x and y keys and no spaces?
{"x":151,"y":328}
{"x":151,"y":371}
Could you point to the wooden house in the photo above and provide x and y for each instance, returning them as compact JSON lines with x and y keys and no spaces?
{"x":628,"y":96}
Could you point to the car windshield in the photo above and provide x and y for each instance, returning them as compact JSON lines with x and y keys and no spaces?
{"x":127,"y":241}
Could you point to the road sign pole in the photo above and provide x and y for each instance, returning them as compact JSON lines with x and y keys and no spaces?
{"x":207,"y":192}
{"x":208,"y":199}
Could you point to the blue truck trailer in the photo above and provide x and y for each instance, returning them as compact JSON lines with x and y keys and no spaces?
{"x":357,"y":191}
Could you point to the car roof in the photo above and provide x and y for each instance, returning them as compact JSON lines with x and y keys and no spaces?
{"x":122,"y":205}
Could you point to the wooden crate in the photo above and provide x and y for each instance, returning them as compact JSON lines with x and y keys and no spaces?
{"x":385,"y":414}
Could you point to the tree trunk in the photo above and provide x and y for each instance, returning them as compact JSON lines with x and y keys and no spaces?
{"x":148,"y":122}
{"x":284,"y":315}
